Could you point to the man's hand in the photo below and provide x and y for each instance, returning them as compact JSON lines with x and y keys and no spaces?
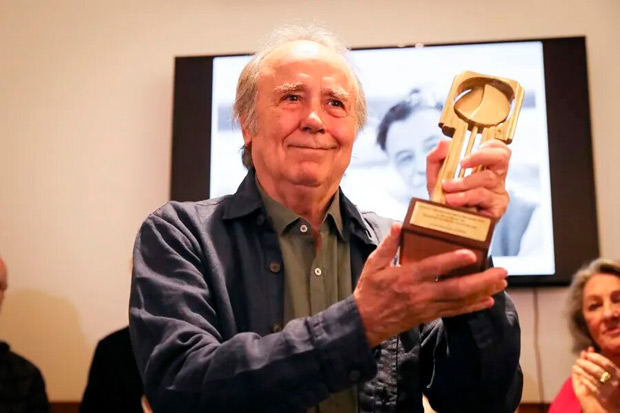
{"x":485,"y":189}
{"x":392,"y":299}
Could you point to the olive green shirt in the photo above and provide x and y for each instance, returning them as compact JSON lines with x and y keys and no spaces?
{"x":314,"y":280}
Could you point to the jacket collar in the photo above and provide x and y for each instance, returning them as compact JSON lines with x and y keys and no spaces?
{"x":358,"y":226}
{"x":247,"y":200}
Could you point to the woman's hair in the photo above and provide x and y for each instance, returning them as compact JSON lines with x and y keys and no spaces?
{"x":576,"y":321}
{"x":416,"y":99}
{"x":244,"y":108}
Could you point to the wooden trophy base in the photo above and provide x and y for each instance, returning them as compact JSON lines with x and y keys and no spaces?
{"x":431,"y":228}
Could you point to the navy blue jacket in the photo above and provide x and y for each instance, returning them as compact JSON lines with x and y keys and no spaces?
{"x":206,"y":313}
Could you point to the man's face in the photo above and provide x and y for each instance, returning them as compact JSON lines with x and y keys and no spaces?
{"x":407,"y":144}
{"x":601,"y":310}
{"x":306,"y":117}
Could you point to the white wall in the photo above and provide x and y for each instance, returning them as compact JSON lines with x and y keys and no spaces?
{"x":85,"y":133}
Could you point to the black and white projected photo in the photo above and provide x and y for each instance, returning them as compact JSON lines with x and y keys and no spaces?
{"x":406,"y":89}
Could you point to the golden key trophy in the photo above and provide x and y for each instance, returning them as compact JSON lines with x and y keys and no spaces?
{"x":478,"y":108}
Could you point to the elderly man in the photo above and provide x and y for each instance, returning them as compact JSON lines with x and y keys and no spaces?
{"x":284,"y":297}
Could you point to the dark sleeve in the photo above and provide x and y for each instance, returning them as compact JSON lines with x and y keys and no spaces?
{"x":470,"y":363}
{"x":177,"y":319}
{"x":37,"y":399}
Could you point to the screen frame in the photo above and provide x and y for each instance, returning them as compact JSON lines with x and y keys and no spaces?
{"x":573,"y":195}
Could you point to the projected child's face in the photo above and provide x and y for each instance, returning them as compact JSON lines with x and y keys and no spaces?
{"x":407,"y":144}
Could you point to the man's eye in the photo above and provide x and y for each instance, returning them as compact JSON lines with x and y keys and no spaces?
{"x":336,"y":103}
{"x":292,"y":98}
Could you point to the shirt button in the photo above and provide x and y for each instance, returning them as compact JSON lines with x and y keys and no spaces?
{"x":303,"y":228}
{"x":318,"y":272}
{"x":276,"y":328}
{"x":274,"y":266}
{"x":354,"y":375}
{"x":260,"y":220}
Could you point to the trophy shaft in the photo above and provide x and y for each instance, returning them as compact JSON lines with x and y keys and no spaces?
{"x":470,"y":145}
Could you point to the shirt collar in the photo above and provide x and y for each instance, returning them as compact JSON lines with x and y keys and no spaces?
{"x":333,"y":213}
{"x":282,"y":217}
{"x":247,"y":200}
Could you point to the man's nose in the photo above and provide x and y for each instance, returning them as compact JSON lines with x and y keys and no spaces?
{"x":313,"y":120}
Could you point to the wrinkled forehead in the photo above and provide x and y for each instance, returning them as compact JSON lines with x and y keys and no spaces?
{"x":294,"y":55}
{"x":601,"y":284}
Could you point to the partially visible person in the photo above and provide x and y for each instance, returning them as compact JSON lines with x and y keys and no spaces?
{"x":114,"y":383}
{"x":594,"y":321}
{"x":408,"y":132}
{"x":22,"y":388}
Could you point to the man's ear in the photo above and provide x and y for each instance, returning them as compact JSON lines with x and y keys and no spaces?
{"x":247,"y":136}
